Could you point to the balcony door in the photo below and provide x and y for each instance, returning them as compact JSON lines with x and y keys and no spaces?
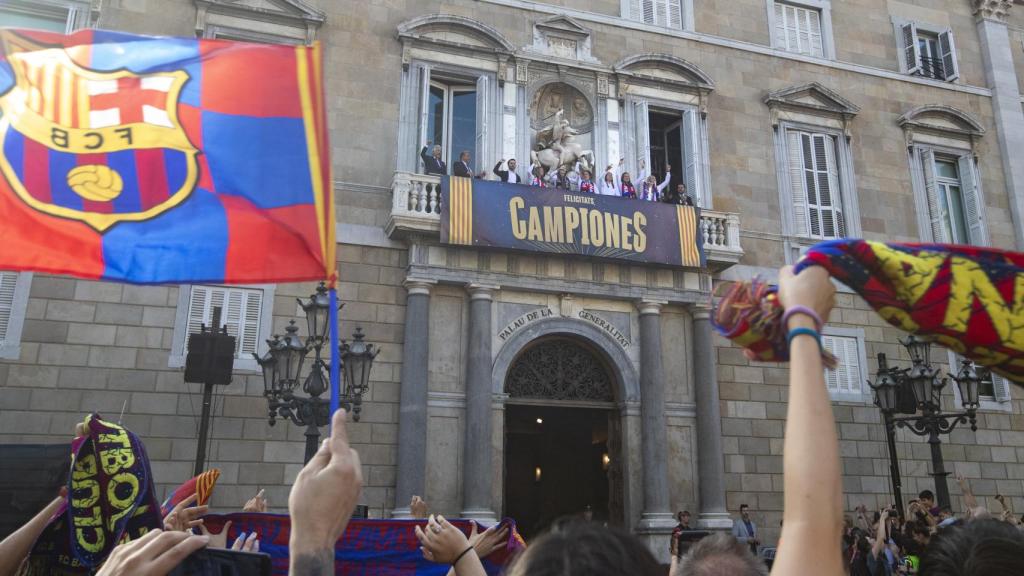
{"x":452,"y":120}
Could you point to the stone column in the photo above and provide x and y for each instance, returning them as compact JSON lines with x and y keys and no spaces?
{"x":412,"y":418}
{"x":1001,"y":77}
{"x":656,"y":518}
{"x":477,"y":470}
{"x":710,"y":464}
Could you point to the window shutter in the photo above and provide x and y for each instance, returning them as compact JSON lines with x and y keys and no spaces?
{"x":932,"y":193}
{"x":947,"y":51}
{"x":972,"y":200}
{"x":648,"y":15}
{"x":675,"y":14}
{"x":845,"y":379}
{"x":423,"y":79}
{"x":8,"y":280}
{"x":248,"y":342}
{"x":780,"y":27}
{"x":483,"y":115}
{"x":1002,"y":388}
{"x":828,"y":189}
{"x":796,"y":182}
{"x":811,"y":162}
{"x":814,"y":46}
{"x":636,"y":11}
{"x":692,"y":167}
{"x":911,"y":51}
{"x":643,"y":137}
{"x":832,"y":376}
{"x":241,"y":311}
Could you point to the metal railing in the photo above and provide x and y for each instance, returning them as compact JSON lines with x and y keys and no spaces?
{"x":933,"y":68}
{"x":416,"y":207}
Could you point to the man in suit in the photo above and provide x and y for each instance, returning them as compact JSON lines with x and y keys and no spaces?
{"x":745,"y":531}
{"x":461,"y":168}
{"x":432,"y":164}
{"x":510,"y":175}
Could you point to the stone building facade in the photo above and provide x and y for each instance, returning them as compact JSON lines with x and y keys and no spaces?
{"x":789,"y":121}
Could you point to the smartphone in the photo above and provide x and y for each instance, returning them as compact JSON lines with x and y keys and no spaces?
{"x":221,"y":562}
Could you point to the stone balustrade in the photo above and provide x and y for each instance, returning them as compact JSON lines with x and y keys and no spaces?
{"x":416,"y":207}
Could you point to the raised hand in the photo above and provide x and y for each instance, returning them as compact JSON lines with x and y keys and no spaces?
{"x":442,"y":542}
{"x":182,"y":518}
{"x":811,"y":288}
{"x":418,"y":507}
{"x":245,"y":543}
{"x":489,"y":541}
{"x":257,"y":503}
{"x":155,"y":554}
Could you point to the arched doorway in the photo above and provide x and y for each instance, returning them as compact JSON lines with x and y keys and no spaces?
{"x":562,"y":436}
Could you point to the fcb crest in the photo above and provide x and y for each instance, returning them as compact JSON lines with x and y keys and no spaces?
{"x":99,"y":147}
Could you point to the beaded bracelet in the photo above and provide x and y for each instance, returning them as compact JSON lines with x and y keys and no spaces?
{"x":802,"y":331}
{"x":459,"y":557}
{"x":802,"y":310}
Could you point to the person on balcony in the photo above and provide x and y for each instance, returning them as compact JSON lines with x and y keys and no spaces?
{"x":559,"y":179}
{"x":626,"y":187}
{"x":432,"y":163}
{"x":461,"y":168}
{"x":609,"y":184}
{"x":537,"y":176}
{"x":679,"y":196}
{"x":587,"y":183}
{"x":651,"y":190}
{"x":509,"y":174}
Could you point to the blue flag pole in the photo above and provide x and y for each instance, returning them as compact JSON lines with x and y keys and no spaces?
{"x":335,"y":355}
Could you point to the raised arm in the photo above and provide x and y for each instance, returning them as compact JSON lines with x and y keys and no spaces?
{"x":880,"y":534}
{"x":497,"y":168}
{"x":813,"y":517}
{"x":970,"y":502}
{"x":668,"y":178}
{"x":17,"y":546}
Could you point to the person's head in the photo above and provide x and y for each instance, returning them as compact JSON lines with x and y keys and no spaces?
{"x":609,"y":177}
{"x":683,"y":517}
{"x":681,"y":189}
{"x":626,"y":179}
{"x":561,"y":170}
{"x":745,"y":511}
{"x":512,"y":164}
{"x":975,"y":549}
{"x":921,"y":533}
{"x":437,"y":151}
{"x":586,"y":174}
{"x":538,"y":171}
{"x":720,"y":554}
{"x":585,"y":548}
{"x":945,"y":512}
{"x":464,"y":156}
{"x":927,"y":499}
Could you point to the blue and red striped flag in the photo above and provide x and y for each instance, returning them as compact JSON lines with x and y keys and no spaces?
{"x":147,"y":160}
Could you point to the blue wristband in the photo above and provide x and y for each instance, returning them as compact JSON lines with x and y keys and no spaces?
{"x":800,"y":331}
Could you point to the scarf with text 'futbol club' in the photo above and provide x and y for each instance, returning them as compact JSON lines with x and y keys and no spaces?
{"x":966,"y":298}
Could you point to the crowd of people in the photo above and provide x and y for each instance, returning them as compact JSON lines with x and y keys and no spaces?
{"x":614,"y":182}
{"x":816,"y":537}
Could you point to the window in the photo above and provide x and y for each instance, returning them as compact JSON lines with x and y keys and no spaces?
{"x":993,"y":390}
{"x":244,"y":310}
{"x":63,"y":16}
{"x":954,"y":209}
{"x":13,"y":299}
{"x":451,"y":119}
{"x":798,"y":30}
{"x":927,"y":52}
{"x":667,"y":13}
{"x":814,"y":185}
{"x":663,"y":135}
{"x":846,"y":381}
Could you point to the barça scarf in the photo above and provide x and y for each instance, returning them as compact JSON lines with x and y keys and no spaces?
{"x":379,"y":547}
{"x":201,"y":485}
{"x":966,"y":298}
{"x":110,"y":500}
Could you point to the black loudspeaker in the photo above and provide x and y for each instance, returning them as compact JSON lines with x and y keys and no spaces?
{"x":211,"y":357}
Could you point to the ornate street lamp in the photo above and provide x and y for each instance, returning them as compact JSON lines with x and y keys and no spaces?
{"x":892,"y":385}
{"x":282,"y":367}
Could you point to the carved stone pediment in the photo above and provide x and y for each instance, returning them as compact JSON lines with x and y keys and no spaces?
{"x":562,"y":37}
{"x":261,"y":20}
{"x":666,"y":68}
{"x":940,"y":120}
{"x":813,"y":100}
{"x":454,"y":32}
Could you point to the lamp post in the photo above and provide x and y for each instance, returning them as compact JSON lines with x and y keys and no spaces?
{"x":895,"y":386}
{"x":282,"y":367}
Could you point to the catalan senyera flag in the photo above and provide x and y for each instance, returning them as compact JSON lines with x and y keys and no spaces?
{"x":146,"y":159}
{"x":967,"y":298}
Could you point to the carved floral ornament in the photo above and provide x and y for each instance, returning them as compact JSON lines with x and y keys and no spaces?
{"x":991,"y":9}
{"x":559,"y":369}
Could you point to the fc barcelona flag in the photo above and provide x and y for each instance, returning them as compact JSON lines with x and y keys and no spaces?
{"x":144,"y":159}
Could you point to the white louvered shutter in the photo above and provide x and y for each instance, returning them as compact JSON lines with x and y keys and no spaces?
{"x":828,"y":186}
{"x":935,"y":207}
{"x":636,"y":10}
{"x":815,"y":46}
{"x":643,"y":138}
{"x":798,"y":29}
{"x":798,"y":194}
{"x":780,"y":27}
{"x":483,"y":115}
{"x":972,"y":200}
{"x":675,"y":14}
{"x":648,"y":14}
{"x":1001,"y":388}
{"x":691,"y":157}
{"x":845,"y":378}
{"x":8,"y":280}
{"x":423,"y":115}
{"x":910,"y":48}
{"x":947,"y":52}
{"x":241,"y":311}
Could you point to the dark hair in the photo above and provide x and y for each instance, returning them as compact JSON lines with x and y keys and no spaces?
{"x":720,"y":553}
{"x":977,"y":548}
{"x":585,"y":548}
{"x":926,"y":494}
{"x":742,"y":506}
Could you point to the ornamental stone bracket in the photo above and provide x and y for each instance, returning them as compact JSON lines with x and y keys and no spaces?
{"x":991,"y":9}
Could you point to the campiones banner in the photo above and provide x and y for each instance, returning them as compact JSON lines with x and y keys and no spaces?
{"x":489,"y":214}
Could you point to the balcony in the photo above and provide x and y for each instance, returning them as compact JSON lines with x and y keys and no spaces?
{"x":416,"y":208}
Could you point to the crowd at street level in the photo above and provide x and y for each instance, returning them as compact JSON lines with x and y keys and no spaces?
{"x":614,"y":182}
{"x":816,"y":538}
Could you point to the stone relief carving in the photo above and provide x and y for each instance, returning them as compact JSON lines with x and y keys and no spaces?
{"x":559,"y":370}
{"x":991,"y":9}
{"x":558,"y":113}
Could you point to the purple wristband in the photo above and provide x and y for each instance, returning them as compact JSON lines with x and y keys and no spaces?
{"x":802,"y":310}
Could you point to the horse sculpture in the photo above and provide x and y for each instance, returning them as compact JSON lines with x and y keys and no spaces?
{"x":556,"y":148}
